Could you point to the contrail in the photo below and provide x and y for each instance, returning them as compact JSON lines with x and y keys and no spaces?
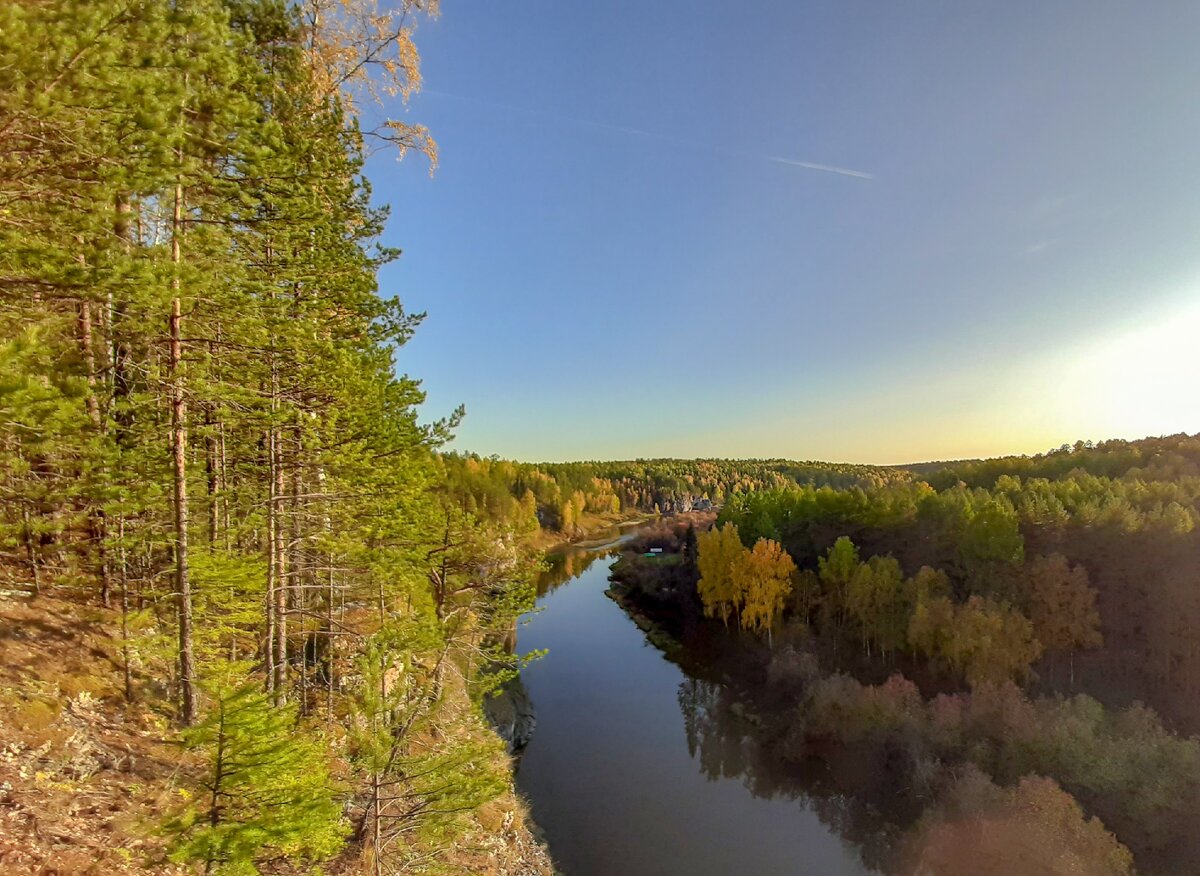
{"x":828,"y":168}
{"x":639,"y":132}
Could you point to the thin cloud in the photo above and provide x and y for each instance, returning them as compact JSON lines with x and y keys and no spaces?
{"x":654,"y":135}
{"x":827,"y":168}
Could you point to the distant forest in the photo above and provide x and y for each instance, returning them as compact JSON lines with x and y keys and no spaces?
{"x":997,"y":637}
{"x":1153,"y":481}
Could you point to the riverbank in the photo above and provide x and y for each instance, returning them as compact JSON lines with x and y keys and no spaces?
{"x":509,"y":710}
{"x":611,"y":774}
{"x":900,"y":764}
{"x":594,"y":530}
{"x":656,"y":634}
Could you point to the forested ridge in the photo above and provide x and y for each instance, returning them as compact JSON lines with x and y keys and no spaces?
{"x":247,"y":625}
{"x":1151,"y":482}
{"x":557,"y":496}
{"x":1168,"y":457}
{"x":994,"y":638}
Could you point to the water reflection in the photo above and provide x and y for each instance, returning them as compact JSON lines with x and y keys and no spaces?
{"x":611,"y":775}
{"x":572,"y":560}
{"x":568,"y":563}
{"x":728,"y":745}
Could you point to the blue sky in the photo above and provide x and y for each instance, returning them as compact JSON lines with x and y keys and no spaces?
{"x":618,"y":259}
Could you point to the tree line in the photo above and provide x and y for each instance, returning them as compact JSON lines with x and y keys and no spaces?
{"x":980,"y":638}
{"x":1168,"y":458}
{"x":557,"y":496}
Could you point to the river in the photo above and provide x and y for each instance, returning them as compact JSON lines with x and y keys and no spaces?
{"x":614,"y":778}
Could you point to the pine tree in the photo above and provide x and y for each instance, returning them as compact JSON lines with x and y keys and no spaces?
{"x":199,"y":381}
{"x":265,"y":791}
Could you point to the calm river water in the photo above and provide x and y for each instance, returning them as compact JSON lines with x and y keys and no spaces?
{"x":610,"y":771}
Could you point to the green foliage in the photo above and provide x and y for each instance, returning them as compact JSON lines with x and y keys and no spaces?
{"x":230,"y":591}
{"x":265,"y":792}
{"x":876,"y":600}
{"x":1169,"y":458}
{"x":836,"y":570}
{"x":559,"y":493}
{"x":991,"y":535}
{"x":208,"y":155}
{"x":418,"y":782}
{"x":1143,"y":781}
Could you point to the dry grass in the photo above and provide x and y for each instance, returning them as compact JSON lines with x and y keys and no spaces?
{"x":82,"y":774}
{"x":85,"y":777}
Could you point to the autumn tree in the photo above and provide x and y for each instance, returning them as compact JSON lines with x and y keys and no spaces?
{"x":806,"y":594}
{"x":718,"y":552}
{"x":1062,"y":606}
{"x":763,"y":578}
{"x":875,"y":601}
{"x":930,"y":631}
{"x":1034,"y":828}
{"x":567,"y":517}
{"x":991,"y":642}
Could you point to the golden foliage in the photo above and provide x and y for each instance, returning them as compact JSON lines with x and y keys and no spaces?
{"x":753,"y":584}
{"x":361,"y":50}
{"x":717,"y":551}
{"x":763,"y":578}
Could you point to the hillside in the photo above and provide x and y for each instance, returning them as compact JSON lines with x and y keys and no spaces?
{"x":87,"y":779}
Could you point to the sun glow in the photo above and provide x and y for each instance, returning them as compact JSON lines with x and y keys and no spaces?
{"x":1142,"y":381}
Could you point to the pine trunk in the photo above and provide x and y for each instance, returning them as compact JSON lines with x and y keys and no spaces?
{"x":183,"y":591}
{"x":281,"y":571}
{"x":183,"y":587}
{"x":272,"y":569}
{"x":95,"y":516}
{"x":297,"y":601}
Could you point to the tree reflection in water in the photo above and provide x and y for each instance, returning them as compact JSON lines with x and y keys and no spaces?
{"x":728,"y":743}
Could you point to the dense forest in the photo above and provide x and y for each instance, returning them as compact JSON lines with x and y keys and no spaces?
{"x":560,"y":496}
{"x":994,"y":638}
{"x":224,"y":530}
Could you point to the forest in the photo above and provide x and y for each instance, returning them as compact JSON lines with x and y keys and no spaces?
{"x":993,"y":637}
{"x":246,"y":623}
{"x":561,"y":497}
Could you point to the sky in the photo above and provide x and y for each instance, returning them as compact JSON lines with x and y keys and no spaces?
{"x":849,"y":231}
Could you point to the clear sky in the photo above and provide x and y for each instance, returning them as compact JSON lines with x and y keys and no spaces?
{"x":859,"y":231}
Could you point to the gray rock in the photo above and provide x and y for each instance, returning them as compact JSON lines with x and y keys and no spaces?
{"x":511,"y":713}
